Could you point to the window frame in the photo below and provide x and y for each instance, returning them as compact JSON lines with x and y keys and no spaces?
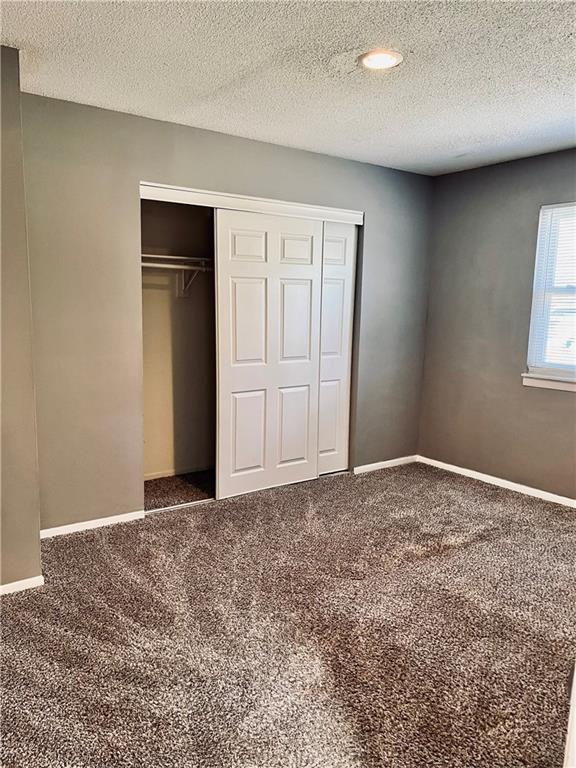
{"x":555,"y":376}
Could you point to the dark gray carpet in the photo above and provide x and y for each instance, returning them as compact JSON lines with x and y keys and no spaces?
{"x":180,"y":489}
{"x":406,"y":618}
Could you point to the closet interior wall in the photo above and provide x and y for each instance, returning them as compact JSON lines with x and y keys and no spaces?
{"x":179,"y":347}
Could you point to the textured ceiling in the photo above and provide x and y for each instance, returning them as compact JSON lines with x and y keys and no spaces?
{"x":481,"y":81}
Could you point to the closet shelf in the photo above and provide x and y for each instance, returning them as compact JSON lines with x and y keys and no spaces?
{"x":182,"y":264}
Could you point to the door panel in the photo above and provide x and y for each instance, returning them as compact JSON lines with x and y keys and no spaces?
{"x":339,"y":265}
{"x":269,"y":273}
{"x":296,"y":249}
{"x":329,"y":417}
{"x":293,"y":427}
{"x":248,"y":245}
{"x":335,"y":247}
{"x":249,"y":430}
{"x":248,"y":320}
{"x":333,"y":311}
{"x":296,"y":320}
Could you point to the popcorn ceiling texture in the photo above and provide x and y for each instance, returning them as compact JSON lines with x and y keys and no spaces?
{"x":407,"y":618}
{"x":481,"y":82}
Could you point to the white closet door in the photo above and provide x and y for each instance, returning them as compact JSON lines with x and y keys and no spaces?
{"x":269,"y":272}
{"x":339,"y":267}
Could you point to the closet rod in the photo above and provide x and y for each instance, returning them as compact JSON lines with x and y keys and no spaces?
{"x":166,"y":257}
{"x":187,"y":267}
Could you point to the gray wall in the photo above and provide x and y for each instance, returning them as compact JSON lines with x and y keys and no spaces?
{"x":20,"y":555}
{"x":83,"y":166}
{"x":475,"y":412}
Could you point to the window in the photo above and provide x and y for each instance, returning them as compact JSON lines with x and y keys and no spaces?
{"x":552,"y":346}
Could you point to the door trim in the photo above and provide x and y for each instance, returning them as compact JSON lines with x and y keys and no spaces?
{"x":164,"y":192}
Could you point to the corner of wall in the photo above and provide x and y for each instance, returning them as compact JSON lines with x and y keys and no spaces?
{"x":20,"y":514}
{"x":429,"y":264}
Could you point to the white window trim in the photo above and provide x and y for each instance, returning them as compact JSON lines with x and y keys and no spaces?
{"x":548,"y":382}
{"x":547,"y":378}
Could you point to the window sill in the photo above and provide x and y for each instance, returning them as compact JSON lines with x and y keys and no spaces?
{"x":533,"y":380}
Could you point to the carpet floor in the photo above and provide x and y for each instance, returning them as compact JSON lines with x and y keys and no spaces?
{"x":180,"y":489}
{"x":406,"y":618}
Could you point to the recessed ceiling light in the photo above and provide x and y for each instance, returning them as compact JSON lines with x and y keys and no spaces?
{"x":380,"y":58}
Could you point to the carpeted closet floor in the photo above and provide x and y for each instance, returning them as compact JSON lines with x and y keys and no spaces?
{"x":179,"y":489}
{"x":406,"y":618}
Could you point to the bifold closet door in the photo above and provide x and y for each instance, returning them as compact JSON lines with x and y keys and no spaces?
{"x":269,"y":273}
{"x":339,"y":269}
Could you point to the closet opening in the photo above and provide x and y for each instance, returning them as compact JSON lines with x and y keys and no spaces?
{"x":179,"y":353}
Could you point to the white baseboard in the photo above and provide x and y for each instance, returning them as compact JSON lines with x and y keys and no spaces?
{"x":518,"y":487}
{"x":175,"y":507}
{"x":158,"y":475}
{"x":60,"y":530}
{"x":570,"y":752}
{"x":175,"y":472}
{"x":18,"y":586}
{"x":385,"y":464}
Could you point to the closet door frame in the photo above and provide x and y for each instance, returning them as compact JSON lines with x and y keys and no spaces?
{"x":170,"y":194}
{"x":222,"y":200}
